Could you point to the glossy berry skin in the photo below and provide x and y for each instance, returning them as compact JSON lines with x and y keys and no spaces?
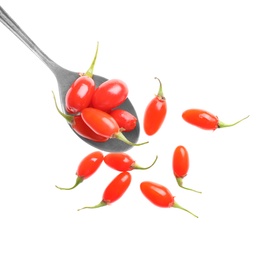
{"x":180,"y":162}
{"x":180,"y":165}
{"x":119,"y":161}
{"x":157,"y":194}
{"x":104,"y":124}
{"x":100,"y":122}
{"x":89,"y":164}
{"x":109,"y":95}
{"x":201,"y":119}
{"x":117,"y":187}
{"x":115,"y":190}
{"x":87,"y":167}
{"x":205,"y":120}
{"x":123,"y":162}
{"x":160,"y":196}
{"x":79,"y":126}
{"x":80,"y":94}
{"x":155,"y":113}
{"x":126,"y":121}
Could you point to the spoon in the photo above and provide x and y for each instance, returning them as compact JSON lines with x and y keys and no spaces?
{"x":65,"y":78}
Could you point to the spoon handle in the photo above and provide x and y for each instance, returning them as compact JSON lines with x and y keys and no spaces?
{"x":17,"y":31}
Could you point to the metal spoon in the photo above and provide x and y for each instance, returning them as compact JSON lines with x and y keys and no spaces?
{"x":65,"y":78}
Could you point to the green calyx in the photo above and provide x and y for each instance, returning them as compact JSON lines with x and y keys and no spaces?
{"x":78,"y":181}
{"x":160,"y":94}
{"x":176,"y":205}
{"x":69,"y":118}
{"x":90,"y":71}
{"x":221,"y":124}
{"x":138,"y":167}
{"x":101,"y":204}
{"x":180,"y":182}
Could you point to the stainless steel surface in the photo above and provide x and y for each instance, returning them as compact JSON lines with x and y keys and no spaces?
{"x":64,"y":79}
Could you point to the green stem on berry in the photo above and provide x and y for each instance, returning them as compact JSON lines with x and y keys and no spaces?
{"x":69,"y":118}
{"x":78,"y":181}
{"x":176,"y":205}
{"x":101,"y":204}
{"x":180,"y":182}
{"x":221,"y":124}
{"x":136,"y":166}
{"x":89,"y":72}
{"x":160,"y":94}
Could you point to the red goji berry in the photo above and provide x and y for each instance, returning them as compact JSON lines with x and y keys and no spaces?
{"x":160,"y":196}
{"x":155,"y":113}
{"x":86,"y":168}
{"x":80,"y":93}
{"x":123,"y":162}
{"x":114,"y":191}
{"x":104,"y":124}
{"x":180,"y":165}
{"x":204,"y":119}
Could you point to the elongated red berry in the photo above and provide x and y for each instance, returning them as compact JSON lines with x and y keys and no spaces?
{"x":114,"y":191}
{"x":180,"y":165}
{"x":155,"y":112}
{"x":86,"y":168}
{"x":79,"y":126}
{"x":104,"y":124}
{"x":123,"y":162}
{"x":109,"y":95}
{"x":205,"y":120}
{"x":160,"y":196}
{"x":80,"y":93}
{"x":126,"y":121}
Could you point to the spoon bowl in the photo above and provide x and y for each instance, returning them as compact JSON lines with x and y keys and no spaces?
{"x":65,"y":78}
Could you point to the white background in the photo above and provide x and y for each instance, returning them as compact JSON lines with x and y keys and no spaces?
{"x":217,"y":55}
